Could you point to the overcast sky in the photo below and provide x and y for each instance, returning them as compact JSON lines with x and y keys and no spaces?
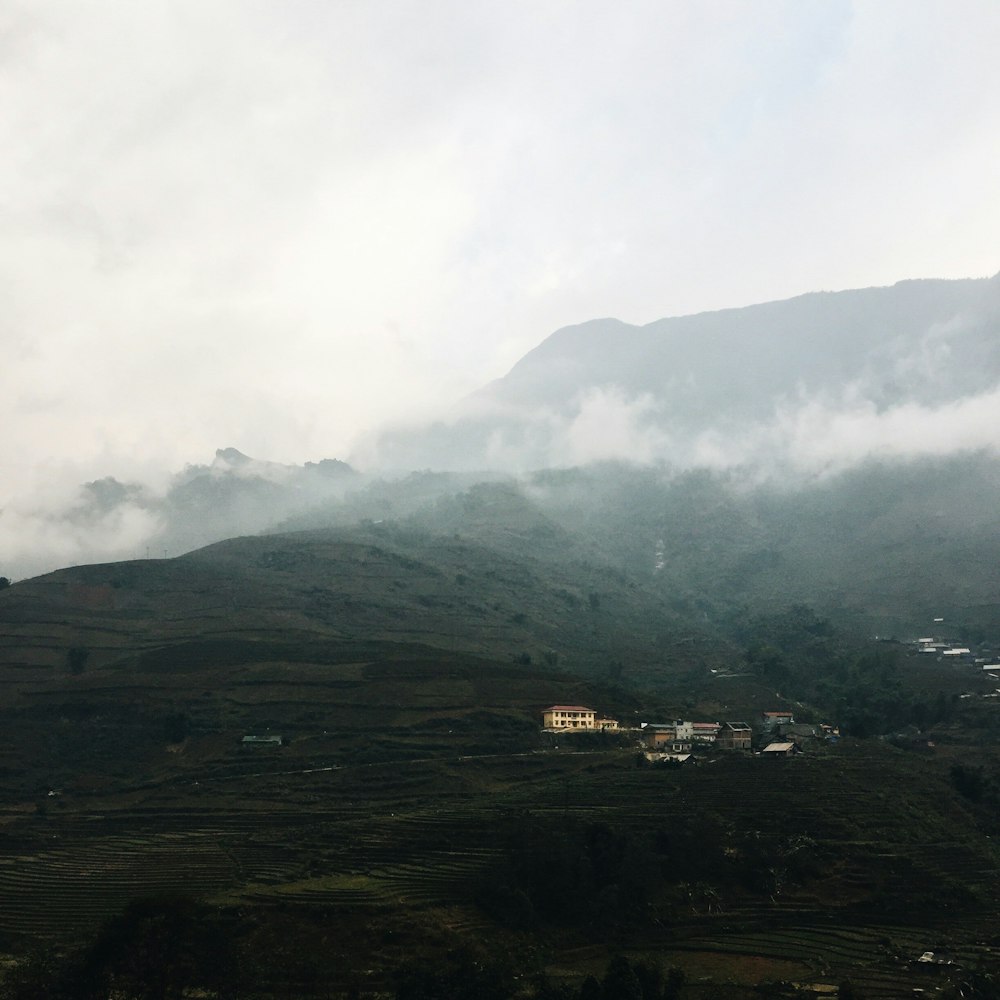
{"x":275,"y":225}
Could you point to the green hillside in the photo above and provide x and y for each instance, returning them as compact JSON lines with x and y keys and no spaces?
{"x":400,"y":818}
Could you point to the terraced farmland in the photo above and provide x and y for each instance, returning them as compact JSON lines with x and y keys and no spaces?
{"x":416,"y":837}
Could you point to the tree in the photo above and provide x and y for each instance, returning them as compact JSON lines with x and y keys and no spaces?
{"x":650,"y":979}
{"x":621,"y":982}
{"x":674,"y":984}
{"x":464,"y":975}
{"x":159,"y":948}
{"x":4,"y":583}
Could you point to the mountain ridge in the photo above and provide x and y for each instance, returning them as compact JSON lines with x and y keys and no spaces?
{"x":906,"y":302}
{"x":669,"y":390}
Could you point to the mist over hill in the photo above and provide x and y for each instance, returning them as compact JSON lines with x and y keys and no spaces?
{"x":837,"y":448}
{"x":107,"y":519}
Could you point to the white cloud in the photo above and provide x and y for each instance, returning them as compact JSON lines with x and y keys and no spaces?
{"x":52,"y":527}
{"x":276,"y":226}
{"x":607,"y":426}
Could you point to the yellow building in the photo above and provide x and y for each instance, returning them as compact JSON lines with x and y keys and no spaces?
{"x":569,"y":717}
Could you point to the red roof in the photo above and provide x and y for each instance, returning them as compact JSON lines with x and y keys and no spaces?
{"x":568,"y":708}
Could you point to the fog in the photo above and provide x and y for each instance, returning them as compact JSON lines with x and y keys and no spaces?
{"x":807,"y":437}
{"x":310,"y":231}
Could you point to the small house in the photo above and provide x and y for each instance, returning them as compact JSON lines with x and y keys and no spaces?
{"x":734,"y":736}
{"x":784,"y":749}
{"x":705,"y":732}
{"x":771,"y":719}
{"x":658,"y":736}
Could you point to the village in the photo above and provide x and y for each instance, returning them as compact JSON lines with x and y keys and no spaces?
{"x":773,"y":733}
{"x":984,"y":657}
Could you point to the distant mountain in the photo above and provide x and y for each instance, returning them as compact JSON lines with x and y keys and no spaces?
{"x":918,"y":341}
{"x":687,"y":380}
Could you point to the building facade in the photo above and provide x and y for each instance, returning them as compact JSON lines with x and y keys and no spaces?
{"x":569,"y":717}
{"x":734,"y":736}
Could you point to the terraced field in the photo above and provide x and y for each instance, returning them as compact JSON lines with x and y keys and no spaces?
{"x":415,"y":837}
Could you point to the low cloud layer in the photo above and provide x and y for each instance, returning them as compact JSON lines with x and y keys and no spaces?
{"x":284,"y":226}
{"x":799,"y":444}
{"x":814,"y":437}
{"x":69,"y":530}
{"x":280,"y":226}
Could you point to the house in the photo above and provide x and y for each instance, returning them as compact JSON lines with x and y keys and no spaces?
{"x":665,"y":738}
{"x":779,"y":750}
{"x":685,"y":730}
{"x":569,"y":717}
{"x":606,"y":724}
{"x":771,"y":719}
{"x":734,"y":736}
{"x":678,"y":729}
{"x":658,"y":736}
{"x":705,"y":732}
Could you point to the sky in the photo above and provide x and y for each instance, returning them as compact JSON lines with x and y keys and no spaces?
{"x":278,"y":225}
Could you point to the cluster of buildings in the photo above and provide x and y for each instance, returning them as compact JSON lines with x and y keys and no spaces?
{"x":949,"y":651}
{"x":775,"y":732}
{"x":681,"y":736}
